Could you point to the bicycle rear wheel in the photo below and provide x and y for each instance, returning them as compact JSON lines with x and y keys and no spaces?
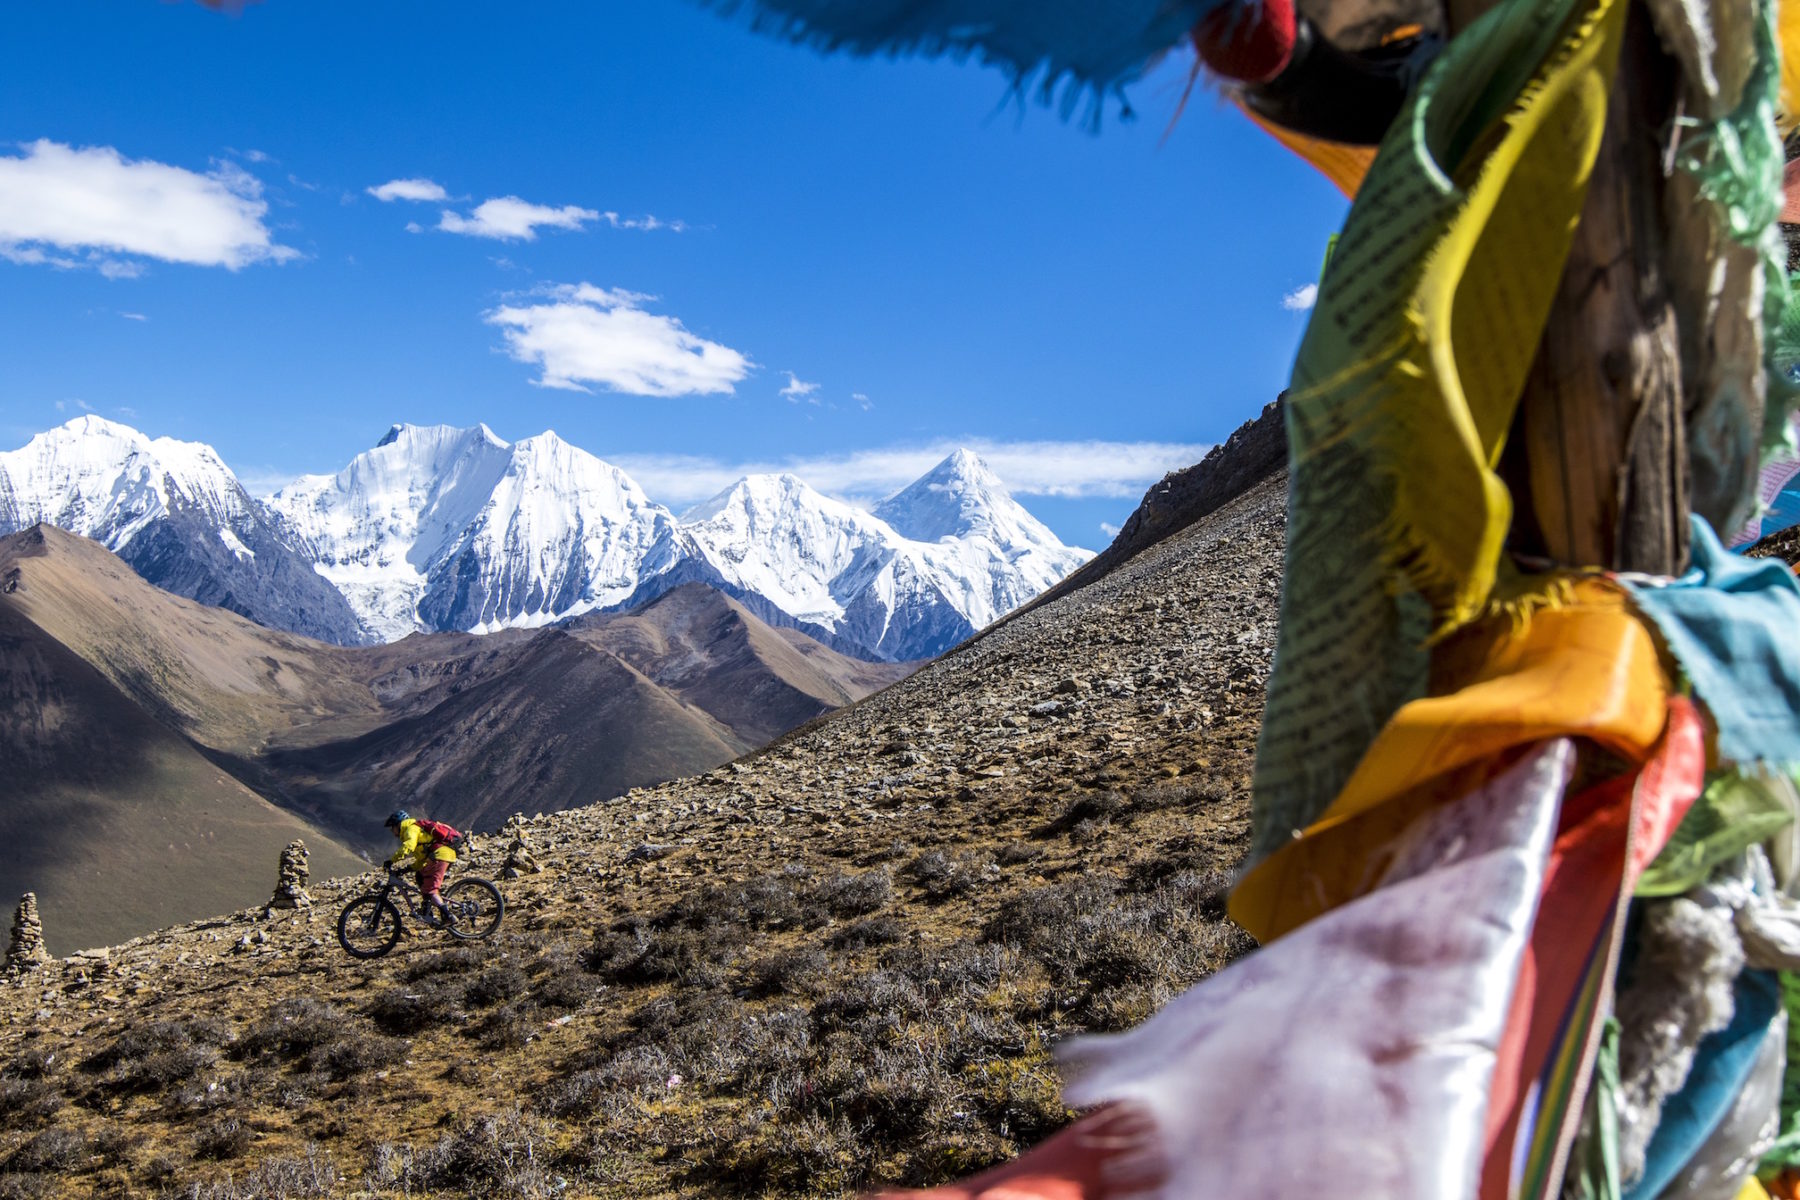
{"x":369,"y":926}
{"x":476,"y":908}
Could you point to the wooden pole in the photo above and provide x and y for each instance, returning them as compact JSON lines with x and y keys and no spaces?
{"x":1597,"y":461}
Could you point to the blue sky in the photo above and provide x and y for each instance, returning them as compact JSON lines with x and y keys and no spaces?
{"x":944,"y":265}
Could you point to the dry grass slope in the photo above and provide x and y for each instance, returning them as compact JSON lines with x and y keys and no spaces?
{"x":841,"y":962}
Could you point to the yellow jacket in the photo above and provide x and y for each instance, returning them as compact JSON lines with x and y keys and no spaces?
{"x":416,"y":843}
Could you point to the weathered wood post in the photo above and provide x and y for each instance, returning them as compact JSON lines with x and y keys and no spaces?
{"x":1596,"y":459}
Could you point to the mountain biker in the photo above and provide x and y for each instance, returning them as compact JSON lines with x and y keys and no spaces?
{"x":430,"y":846}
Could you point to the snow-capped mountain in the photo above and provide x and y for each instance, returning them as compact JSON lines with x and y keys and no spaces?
{"x":177,"y":514}
{"x":442,"y":528}
{"x":926,"y":569}
{"x":962,"y":506}
{"x":438,"y":528}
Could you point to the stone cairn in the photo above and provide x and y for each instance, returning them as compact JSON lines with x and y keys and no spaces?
{"x":26,"y":951}
{"x":519,"y":858}
{"x":290,"y":888}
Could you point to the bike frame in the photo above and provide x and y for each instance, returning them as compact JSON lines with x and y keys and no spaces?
{"x":409,"y":893}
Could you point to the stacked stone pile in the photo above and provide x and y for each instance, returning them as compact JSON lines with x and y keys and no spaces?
{"x":520,"y":861}
{"x":25,"y":950}
{"x":290,"y":886}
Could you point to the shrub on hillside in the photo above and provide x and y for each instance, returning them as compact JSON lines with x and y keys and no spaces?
{"x":157,"y":1056}
{"x":32,"y":1063}
{"x":494,"y":985}
{"x":463,"y":960}
{"x":559,"y":984}
{"x":291,"y":1028}
{"x":510,"y":1155}
{"x":594,"y":1091}
{"x":943,"y":877}
{"x":856,"y":894}
{"x":353,"y":1055}
{"x":1014,"y":853}
{"x":29,"y":1099}
{"x":774,"y":900}
{"x":1093,"y":809}
{"x":52,"y":1151}
{"x":508,"y":1028}
{"x":642,"y":953}
{"x":1117,"y":956}
{"x":418,"y":1006}
{"x":795,"y":970}
{"x":34,"y":1185}
{"x":870,"y":931}
{"x":227,"y":1137}
{"x":308,"y":1178}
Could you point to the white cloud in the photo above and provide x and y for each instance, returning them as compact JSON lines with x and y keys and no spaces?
{"x":1109,"y":529}
{"x":74,"y":406}
{"x":798,"y":390}
{"x":646,"y":223}
{"x":1301,"y":298}
{"x":1074,"y":470}
{"x":131,"y":316}
{"x":64,"y":206}
{"x":862,"y":401}
{"x":581,"y":334}
{"x":409,"y":189}
{"x":126,"y":411}
{"x":509,"y":218}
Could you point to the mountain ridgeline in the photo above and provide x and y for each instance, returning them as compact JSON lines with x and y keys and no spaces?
{"x":437,"y":529}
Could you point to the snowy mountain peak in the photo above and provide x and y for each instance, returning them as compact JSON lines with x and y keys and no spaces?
{"x":959,"y":498}
{"x":766,"y":496}
{"x":446,"y":528}
{"x":107,"y":481}
{"x":174,"y":511}
{"x":89,"y":425}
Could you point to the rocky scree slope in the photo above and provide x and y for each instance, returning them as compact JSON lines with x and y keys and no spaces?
{"x":837,"y":963}
{"x":1255,"y":451}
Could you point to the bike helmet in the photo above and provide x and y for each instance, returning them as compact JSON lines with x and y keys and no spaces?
{"x":395,"y":817}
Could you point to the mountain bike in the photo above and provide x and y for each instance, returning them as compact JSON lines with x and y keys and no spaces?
{"x":370,"y":925}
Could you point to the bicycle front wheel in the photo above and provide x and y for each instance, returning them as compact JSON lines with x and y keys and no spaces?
{"x":475,"y":909}
{"x":369,"y":927}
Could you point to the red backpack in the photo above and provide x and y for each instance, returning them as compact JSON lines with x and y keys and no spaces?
{"x":443,"y":835}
